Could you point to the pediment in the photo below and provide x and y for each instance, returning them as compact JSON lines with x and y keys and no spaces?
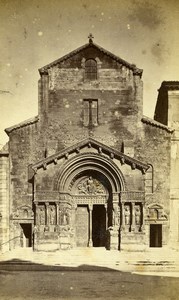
{"x":86,"y":49}
{"x":155,"y":206}
{"x":91,"y":145}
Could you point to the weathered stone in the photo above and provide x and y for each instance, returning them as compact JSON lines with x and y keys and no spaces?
{"x":87,"y":170}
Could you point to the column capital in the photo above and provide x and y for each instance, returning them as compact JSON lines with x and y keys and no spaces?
{"x":90,"y":207}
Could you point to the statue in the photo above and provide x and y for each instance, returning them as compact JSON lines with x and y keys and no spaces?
{"x":127,"y":215}
{"x":137,"y":216}
{"x":52,"y":216}
{"x":64,"y":216}
{"x":90,"y":185}
{"x":116,"y":217}
{"x":42,"y":216}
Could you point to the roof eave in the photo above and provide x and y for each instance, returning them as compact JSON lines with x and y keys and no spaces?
{"x":22,"y":124}
{"x":156,"y":124}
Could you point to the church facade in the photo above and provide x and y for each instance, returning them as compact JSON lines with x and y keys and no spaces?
{"x":90,"y":170}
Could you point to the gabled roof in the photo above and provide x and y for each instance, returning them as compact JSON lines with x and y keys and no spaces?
{"x":132,"y":67}
{"x":22,"y":124}
{"x":102,"y":149}
{"x":154,"y":123}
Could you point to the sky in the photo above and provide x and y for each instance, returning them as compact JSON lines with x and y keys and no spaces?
{"x":34,"y":33}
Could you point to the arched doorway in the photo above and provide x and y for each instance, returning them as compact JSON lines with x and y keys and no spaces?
{"x":91,"y":181}
{"x":92,"y":193}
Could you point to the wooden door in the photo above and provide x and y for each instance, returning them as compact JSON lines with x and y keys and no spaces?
{"x":155,"y":235}
{"x":82,"y":226}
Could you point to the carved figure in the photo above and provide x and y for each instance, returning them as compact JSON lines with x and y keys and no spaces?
{"x":52,"y":216}
{"x":116,"y":217}
{"x":25,"y":213}
{"x":65,"y":218}
{"x":90,"y":186}
{"x":68,"y":216}
{"x":153,"y":213}
{"x":42,"y":216}
{"x":137,"y":216}
{"x":127,"y":215}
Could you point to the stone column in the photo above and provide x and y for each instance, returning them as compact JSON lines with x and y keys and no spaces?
{"x":133,"y":216}
{"x":106,"y":208}
{"x":46,"y":215}
{"x":142,"y":218}
{"x":36,"y":213}
{"x":57,"y":213}
{"x":123,"y":216}
{"x":90,"y":225}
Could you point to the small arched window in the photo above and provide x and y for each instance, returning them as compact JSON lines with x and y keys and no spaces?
{"x":90,"y":69}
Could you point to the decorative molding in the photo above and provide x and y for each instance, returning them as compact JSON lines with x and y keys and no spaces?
{"x":90,"y":199}
{"x":132,"y":196}
{"x":111,"y":152}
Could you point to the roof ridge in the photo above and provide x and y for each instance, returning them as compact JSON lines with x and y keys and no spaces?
{"x":155,"y":123}
{"x":22,"y":124}
{"x":133,"y":67}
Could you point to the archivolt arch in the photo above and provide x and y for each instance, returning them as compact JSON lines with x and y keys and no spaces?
{"x":92,"y":162}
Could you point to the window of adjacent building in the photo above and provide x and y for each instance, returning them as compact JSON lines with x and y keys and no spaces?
{"x":90,"y":112}
{"x":90,"y":69}
{"x":149,"y":180}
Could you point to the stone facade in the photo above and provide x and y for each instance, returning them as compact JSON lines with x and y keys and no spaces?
{"x":90,"y":170}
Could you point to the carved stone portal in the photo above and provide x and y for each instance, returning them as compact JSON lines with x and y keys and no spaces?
{"x":90,"y":186}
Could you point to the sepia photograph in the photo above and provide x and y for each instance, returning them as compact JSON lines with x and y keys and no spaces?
{"x":89,"y":149}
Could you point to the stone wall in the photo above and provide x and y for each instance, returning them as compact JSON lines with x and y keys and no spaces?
{"x":61,"y":107}
{"x":4,"y":199}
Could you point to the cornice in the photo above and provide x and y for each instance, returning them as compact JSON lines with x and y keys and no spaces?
{"x":169,"y":85}
{"x":102,"y":149}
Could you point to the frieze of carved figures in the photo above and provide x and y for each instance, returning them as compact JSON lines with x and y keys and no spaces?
{"x":23,"y":212}
{"x":90,"y":186}
{"x":127,"y":215}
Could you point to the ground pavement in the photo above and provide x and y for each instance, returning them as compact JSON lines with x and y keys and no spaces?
{"x":154,"y":261}
{"x":92,"y":273}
